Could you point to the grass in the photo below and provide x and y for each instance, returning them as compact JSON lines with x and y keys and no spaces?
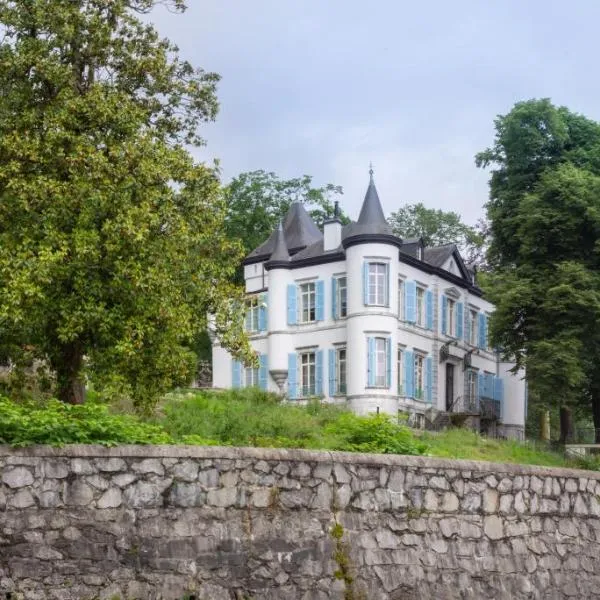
{"x":253,"y":418}
{"x":464,"y":443}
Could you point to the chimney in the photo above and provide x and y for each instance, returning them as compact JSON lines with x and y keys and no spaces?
{"x":332,"y":230}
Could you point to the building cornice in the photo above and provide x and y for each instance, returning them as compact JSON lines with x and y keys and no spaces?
{"x":371,"y":238}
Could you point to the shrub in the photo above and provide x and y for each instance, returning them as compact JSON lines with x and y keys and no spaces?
{"x":56,"y":423}
{"x":374,"y":433}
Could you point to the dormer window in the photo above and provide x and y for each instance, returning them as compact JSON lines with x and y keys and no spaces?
{"x":420,"y":252}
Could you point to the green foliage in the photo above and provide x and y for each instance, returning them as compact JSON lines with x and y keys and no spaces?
{"x":374,"y":433}
{"x":56,"y":423}
{"x":438,"y":227}
{"x":544,"y":214}
{"x":113,"y":240}
{"x":257,"y":201}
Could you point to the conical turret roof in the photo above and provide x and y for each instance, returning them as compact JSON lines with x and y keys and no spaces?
{"x":371,"y":222}
{"x":280,"y":255}
{"x":299,"y":231}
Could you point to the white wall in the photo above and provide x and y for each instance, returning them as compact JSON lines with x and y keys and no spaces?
{"x":363,"y":321}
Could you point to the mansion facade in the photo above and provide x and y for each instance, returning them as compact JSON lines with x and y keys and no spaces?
{"x":355,"y":315}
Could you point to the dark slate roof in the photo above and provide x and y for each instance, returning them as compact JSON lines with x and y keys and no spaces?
{"x":280,"y":252}
{"x":438,"y":255}
{"x":371,"y":220}
{"x":315,"y":251}
{"x":299,"y":231}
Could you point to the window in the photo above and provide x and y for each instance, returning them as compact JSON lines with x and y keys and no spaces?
{"x":473,"y":327}
{"x":340,"y":371}
{"x":419,"y":380}
{"x":400,"y":360}
{"x":252,"y":314}
{"x":450,"y":313}
{"x":420,"y":307}
{"x":380,"y":362}
{"x":307,"y":303}
{"x":378,"y":284}
{"x":251,"y":377}
{"x":401,"y":299}
{"x":487,"y":335}
{"x":471,"y":388}
{"x":307,"y":374}
{"x":341,"y":302}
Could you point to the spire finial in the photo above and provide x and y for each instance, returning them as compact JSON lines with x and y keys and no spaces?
{"x":371,"y":170}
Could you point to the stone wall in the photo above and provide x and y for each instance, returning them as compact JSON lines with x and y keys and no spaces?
{"x":144,"y":523}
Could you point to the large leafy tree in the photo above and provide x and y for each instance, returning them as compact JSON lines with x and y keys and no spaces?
{"x":113,"y":240}
{"x":544,"y":214}
{"x":438,"y":227}
{"x":257,"y":200}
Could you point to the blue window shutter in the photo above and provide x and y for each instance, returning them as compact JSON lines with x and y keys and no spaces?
{"x":365,"y":283}
{"x":388,"y":373}
{"x":410,"y":304}
{"x":409,"y":374}
{"x":428,"y":379}
{"x":320,"y":300}
{"x":459,"y":320}
{"x":292,"y":306}
{"x":319,"y":373}
{"x":331,"y":366}
{"x":429,"y":309}
{"x":481,"y":332}
{"x":370,"y":361}
{"x":334,"y":306}
{"x":480,"y":385}
{"x":292,"y":376}
{"x":263,"y":374}
{"x":236,"y":374}
{"x":262,"y":312}
{"x":444,"y":314}
{"x":485,"y":326}
{"x":467,"y":325}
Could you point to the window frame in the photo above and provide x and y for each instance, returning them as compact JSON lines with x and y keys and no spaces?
{"x":311,"y":370}
{"x":380,"y":350}
{"x":254,"y":373}
{"x":252,"y":317}
{"x":338,"y":300}
{"x":306,"y":292}
{"x":341,"y":387}
{"x":419,"y":376}
{"x":473,"y":329}
{"x":384,"y":274}
{"x":399,"y":369}
{"x":450,"y":316}
{"x":420,"y":306}
{"x":401,"y":299}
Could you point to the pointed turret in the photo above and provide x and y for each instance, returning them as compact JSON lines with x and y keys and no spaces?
{"x":280,"y":257}
{"x":371,"y":225}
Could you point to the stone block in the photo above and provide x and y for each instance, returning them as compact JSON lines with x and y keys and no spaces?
{"x":22,"y":499}
{"x":490,"y":501}
{"x":79,"y":493}
{"x":186,"y":470}
{"x":112,"y":498}
{"x":450,"y":502}
{"x":493,"y":527}
{"x":17,"y":477}
{"x":143,"y":494}
{"x":55,"y":469}
{"x":110,"y":465}
{"x":225,"y":497}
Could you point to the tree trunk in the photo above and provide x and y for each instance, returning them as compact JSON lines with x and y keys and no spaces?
{"x":566,"y":425}
{"x":69,"y":374}
{"x":545,"y":425}
{"x":596,"y":415}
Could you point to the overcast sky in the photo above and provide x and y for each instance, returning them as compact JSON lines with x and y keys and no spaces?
{"x":322,"y":87}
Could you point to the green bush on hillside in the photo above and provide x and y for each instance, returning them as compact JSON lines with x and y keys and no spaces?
{"x":56,"y":424}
